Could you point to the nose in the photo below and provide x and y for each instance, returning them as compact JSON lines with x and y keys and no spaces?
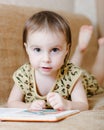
{"x":46,"y":58}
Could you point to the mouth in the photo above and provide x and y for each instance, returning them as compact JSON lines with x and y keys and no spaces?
{"x":46,"y":68}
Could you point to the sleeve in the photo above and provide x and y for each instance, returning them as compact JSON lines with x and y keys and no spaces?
{"x":21,"y":79}
{"x":73,"y":76}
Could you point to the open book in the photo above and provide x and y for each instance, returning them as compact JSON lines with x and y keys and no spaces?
{"x":18,"y":114}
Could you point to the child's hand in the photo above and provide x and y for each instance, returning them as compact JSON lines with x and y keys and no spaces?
{"x":37,"y":105}
{"x":57,"y":101}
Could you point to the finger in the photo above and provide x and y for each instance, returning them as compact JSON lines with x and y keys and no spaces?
{"x":41,"y":102}
{"x":53,"y":103}
{"x":56,"y":107}
{"x":37,"y":105}
{"x":51,"y":94}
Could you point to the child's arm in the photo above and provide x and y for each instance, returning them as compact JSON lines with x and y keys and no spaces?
{"x":16,"y":99}
{"x":78,"y":96}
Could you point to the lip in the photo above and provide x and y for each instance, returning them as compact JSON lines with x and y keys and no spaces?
{"x":46,"y":69}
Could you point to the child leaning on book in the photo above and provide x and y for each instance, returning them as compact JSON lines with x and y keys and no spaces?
{"x":50,"y":80}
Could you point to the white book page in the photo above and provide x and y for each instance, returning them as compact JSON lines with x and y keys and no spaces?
{"x":26,"y":115}
{"x":8,"y":111}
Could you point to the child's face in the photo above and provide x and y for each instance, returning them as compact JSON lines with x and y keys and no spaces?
{"x":46,"y":51}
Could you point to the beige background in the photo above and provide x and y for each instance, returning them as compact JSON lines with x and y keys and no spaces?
{"x":93,"y":9}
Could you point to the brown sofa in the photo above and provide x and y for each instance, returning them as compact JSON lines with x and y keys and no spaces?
{"x":12,"y":56}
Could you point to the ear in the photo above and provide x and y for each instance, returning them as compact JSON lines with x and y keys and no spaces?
{"x":26,"y":47}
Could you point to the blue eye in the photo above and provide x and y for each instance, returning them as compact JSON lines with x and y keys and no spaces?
{"x":37,"y":49}
{"x":55,"y":49}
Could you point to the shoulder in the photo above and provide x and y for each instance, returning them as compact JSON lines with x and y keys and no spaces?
{"x":21,"y":77}
{"x":23,"y":71}
{"x":71,"y":69}
{"x":68,"y":76}
{"x":24,"y":68}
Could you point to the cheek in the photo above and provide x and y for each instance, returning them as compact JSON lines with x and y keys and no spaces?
{"x":59,"y":61}
{"x":33,"y":60}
